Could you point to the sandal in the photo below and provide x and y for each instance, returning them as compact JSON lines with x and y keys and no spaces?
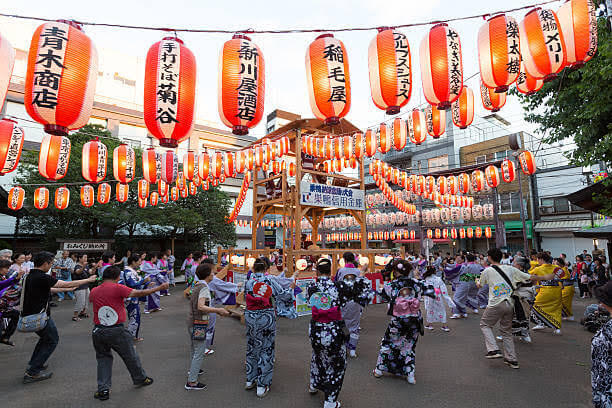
{"x":84,"y":315}
{"x":7,"y":342}
{"x":75,"y":319}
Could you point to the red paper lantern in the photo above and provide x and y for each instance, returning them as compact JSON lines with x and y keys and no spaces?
{"x":124,"y":163}
{"x":104,"y":193}
{"x":477,"y":180}
{"x":174,"y":193}
{"x":371,"y":144}
{"x":142,"y":202}
{"x":7,"y":56}
{"x":435,"y":120}
{"x":526,"y":84}
{"x":429,"y":234}
{"x":430,"y":184}
{"x":169,"y":91}
{"x":162,"y":188}
{"x":478,"y":232}
{"x":499,"y":52}
{"x":462,"y":110}
{"x":169,"y":167}
{"x":204,"y":166}
{"x":390,"y":70}
{"x":400,"y":133}
{"x":384,"y":137}
{"x":87,"y":196}
{"x":180,"y":181}
{"x":416,"y":127}
{"x":241,"y":84}
{"x":488,"y":232}
{"x":164,"y":199}
{"x":122,"y":192}
{"x":151,"y":165}
{"x":53,"y":157}
{"x":193,"y":189}
{"x":453,"y":233}
{"x":190,"y":165}
{"x":94,"y":161}
{"x":578,"y":21}
{"x":453,"y":184}
{"x":143,"y":189}
{"x":507,"y":170}
{"x":442,"y":185}
{"x":327,"y":74}
{"x":62,"y":198}
{"x":61,"y":77}
{"x":438,"y":233}
{"x":412,"y":234}
{"x":528,"y":163}
{"x":492,"y":176}
{"x":542,"y":44}
{"x":461,"y":233}
{"x":41,"y":198}
{"x":184,"y":193}
{"x":492,"y":100}
{"x":464,"y":183}
{"x":470,"y":232}
{"x":154,"y":198}
{"x":11,"y":135}
{"x":15,"y":197}
{"x":241,"y":161}
{"x":291,"y":169}
{"x":228,"y":165}
{"x":420,"y":184}
{"x":348,"y":147}
{"x":205,"y":185}
{"x":441,"y":66}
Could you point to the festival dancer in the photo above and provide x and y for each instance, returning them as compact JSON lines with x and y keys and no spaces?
{"x":186,"y":266}
{"x":435,"y":308}
{"x":452,"y":271}
{"x":526,"y":295}
{"x":162,"y":265}
{"x":567,"y":293}
{"x":263,"y":294}
{"x":546,"y":311}
{"x":351,"y":311}
{"x":131,"y":279}
{"x":149,"y":267}
{"x":397,"y":349}
{"x":466,"y":291}
{"x":326,"y":297}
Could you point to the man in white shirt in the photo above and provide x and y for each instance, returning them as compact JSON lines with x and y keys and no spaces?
{"x":501,"y":305}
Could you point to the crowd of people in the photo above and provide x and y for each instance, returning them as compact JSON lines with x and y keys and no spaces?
{"x":513,"y":293}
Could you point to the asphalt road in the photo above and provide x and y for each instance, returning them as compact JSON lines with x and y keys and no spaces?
{"x":451,"y":369}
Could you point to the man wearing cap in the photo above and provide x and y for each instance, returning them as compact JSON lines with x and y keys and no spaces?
{"x":601,"y":353}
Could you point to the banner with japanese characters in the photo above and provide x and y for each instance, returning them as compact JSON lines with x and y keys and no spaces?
{"x":322,"y":195}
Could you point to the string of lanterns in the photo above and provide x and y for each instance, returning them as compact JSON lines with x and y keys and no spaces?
{"x":241,"y":196}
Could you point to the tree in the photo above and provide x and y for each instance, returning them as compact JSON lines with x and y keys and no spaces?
{"x":199,"y":219}
{"x":578,"y":105}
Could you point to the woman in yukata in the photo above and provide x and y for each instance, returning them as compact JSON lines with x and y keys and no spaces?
{"x":162,"y":265}
{"x":265,"y":299}
{"x":327,"y":328}
{"x":435,"y":309}
{"x":397,"y":349}
{"x":152,"y":272}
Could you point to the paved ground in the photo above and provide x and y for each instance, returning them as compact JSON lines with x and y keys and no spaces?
{"x":451,"y":370}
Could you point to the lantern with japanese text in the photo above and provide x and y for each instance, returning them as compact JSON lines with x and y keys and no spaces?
{"x":164,"y":199}
{"x":488,"y":232}
{"x":151,"y":165}
{"x":542,"y":44}
{"x":487,"y":211}
{"x":104,"y":193}
{"x":53,"y":157}
{"x":528,"y":163}
{"x":429,"y":234}
{"x":478,"y":232}
{"x":15,"y":198}
{"x":154,"y":198}
{"x":358,"y":140}
{"x":445,"y":214}
{"x":492,"y":176}
{"x":526,"y":84}
{"x":241,"y":161}
{"x":477,"y":212}
{"x":193,"y":189}
{"x":61,"y":77}
{"x":438,"y":233}
{"x":122,"y":192}
{"x":455,"y":214}
{"x":371,"y":145}
{"x":184,"y":193}
{"x":11,"y":138}
{"x":180,"y":181}
{"x":578,"y":21}
{"x":435,"y":121}
{"x":492,"y":100}
{"x":174,"y":193}
{"x":93,"y":162}
{"x":169,"y":91}
{"x":441,"y":66}
{"x":430,"y":184}
{"x":241,"y":84}
{"x":477,"y":180}
{"x":469,"y":232}
{"x":62,"y":198}
{"x":143,"y":189}
{"x":142,"y":202}
{"x":7,"y":56}
{"x":41,"y":198}
{"x":453,"y":184}
{"x":87,"y":195}
{"x":383,"y":134}
{"x":327,"y":74}
{"x":507,"y":170}
{"x":453,"y":233}
{"x":464,"y":183}
{"x":204,"y":166}
{"x":412,"y":235}
{"x":162,"y":188}
{"x":390,"y":70}
{"x":190,"y":165}
{"x":400,"y":133}
{"x":462,"y":110}
{"x":461,"y":233}
{"x":169,"y":167}
{"x":442,"y":185}
{"x":124,"y":163}
{"x":499,"y":52}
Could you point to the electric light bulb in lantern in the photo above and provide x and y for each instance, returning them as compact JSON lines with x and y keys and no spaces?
{"x":61,"y":77}
{"x":526,"y":84}
{"x":327,"y":74}
{"x":11,"y":141}
{"x":491,"y":100}
{"x":415,"y":123}
{"x":578,"y":19}
{"x":441,"y":66}
{"x":62,"y":198}
{"x":542,"y":44}
{"x":15,"y":198}
{"x":169,"y":91}
{"x":462,"y":110}
{"x":87,"y":196}
{"x":435,"y":121}
{"x":390,"y":70}
{"x":53,"y":157}
{"x":122,"y":192}
{"x":151,"y":165}
{"x":124,"y":163}
{"x":93,"y":161}
{"x":499,"y":52}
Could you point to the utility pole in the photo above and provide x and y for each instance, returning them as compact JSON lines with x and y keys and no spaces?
{"x":522,"y":206}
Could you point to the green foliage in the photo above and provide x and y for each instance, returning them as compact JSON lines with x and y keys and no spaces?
{"x":198,"y":219}
{"x":578,"y":105}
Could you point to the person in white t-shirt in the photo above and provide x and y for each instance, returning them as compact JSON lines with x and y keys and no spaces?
{"x":501,"y":305}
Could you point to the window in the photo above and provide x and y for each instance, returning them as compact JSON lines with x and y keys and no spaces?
{"x":481,"y":159}
{"x":509,"y":202}
{"x":553,"y":205}
{"x":502,"y":155}
{"x":438,"y":163}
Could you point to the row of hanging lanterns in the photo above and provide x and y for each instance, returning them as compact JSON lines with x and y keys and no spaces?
{"x":241,"y":197}
{"x":16,"y":198}
{"x":390,"y":195}
{"x":461,"y":233}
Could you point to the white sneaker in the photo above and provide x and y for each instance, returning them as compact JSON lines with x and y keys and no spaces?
{"x":208,"y":351}
{"x":557,"y":332}
{"x":410,"y":378}
{"x":463,"y":316}
{"x":538,"y":327}
{"x":377,"y":373}
{"x":456,"y":316}
{"x":249,"y":385}
{"x":353,"y":353}
{"x":312,"y":390}
{"x":446,"y":329}
{"x":475,"y":311}
{"x":262,"y":391}
{"x":526,"y":339}
{"x":327,"y":404}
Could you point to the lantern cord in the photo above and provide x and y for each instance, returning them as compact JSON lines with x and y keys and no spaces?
{"x":286,"y":31}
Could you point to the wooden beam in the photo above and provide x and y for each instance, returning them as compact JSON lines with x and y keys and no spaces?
{"x":264,"y":181}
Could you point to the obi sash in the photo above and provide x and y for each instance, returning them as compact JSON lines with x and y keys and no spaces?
{"x":326,"y":316}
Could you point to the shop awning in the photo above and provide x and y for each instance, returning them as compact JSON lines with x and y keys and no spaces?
{"x":604,"y":232}
{"x":567,"y":225}
{"x":584,"y":197}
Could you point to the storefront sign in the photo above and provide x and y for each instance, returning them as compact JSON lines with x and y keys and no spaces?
{"x":322,"y":195}
{"x":85,"y":246}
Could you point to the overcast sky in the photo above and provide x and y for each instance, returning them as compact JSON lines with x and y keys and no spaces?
{"x":284,"y":53}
